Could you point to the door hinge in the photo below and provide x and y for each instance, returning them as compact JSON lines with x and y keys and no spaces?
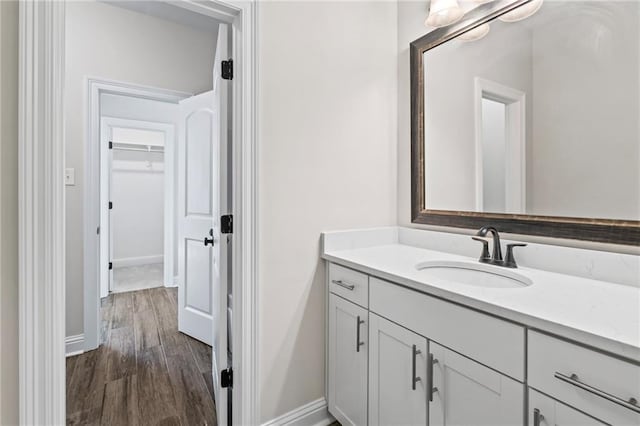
{"x":98,"y":230}
{"x":110,"y":265}
{"x":226,"y":378}
{"x":110,"y":205}
{"x":227,"y":69}
{"x":226,"y":224}
{"x":110,"y":145}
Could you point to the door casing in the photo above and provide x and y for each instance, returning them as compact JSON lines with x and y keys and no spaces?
{"x":106,"y":230}
{"x":42,"y":213}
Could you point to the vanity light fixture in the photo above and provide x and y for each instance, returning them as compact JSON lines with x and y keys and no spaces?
{"x":475,"y":34}
{"x":443,"y":13}
{"x":522,"y":12}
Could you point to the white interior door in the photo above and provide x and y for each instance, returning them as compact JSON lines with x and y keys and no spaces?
{"x":202,"y":198}
{"x":198,"y":211}
{"x":221,"y":309}
{"x":106,"y":246}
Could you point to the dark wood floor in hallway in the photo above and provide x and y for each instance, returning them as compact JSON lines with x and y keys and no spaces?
{"x":146,"y":372}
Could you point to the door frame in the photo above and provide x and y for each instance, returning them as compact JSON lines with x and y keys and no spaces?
{"x":106,"y":168}
{"x":42,"y":207}
{"x":94,"y":88}
{"x":515,"y":102}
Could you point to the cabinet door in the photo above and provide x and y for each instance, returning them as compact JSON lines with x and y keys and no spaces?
{"x":468,"y":393}
{"x":544,"y":411}
{"x":397,"y":374}
{"x":348,"y":349}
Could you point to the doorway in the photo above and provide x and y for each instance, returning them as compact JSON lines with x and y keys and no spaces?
{"x":137,"y":193}
{"x":500,"y":141}
{"x":42,"y":93}
{"x":152,"y":154}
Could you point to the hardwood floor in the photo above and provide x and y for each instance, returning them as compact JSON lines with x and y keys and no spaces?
{"x":146,"y":372}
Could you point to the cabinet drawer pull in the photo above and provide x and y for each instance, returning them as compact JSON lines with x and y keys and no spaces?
{"x":343,"y":284}
{"x":358,"y":342}
{"x":414,"y":379}
{"x":537,"y":417}
{"x":631,"y":404}
{"x":430,"y":388}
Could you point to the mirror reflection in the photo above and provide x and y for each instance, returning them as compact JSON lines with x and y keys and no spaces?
{"x":539,"y":116}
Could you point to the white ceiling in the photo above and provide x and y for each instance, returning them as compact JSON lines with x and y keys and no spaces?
{"x":169,"y":12}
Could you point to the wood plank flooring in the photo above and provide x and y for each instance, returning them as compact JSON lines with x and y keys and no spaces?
{"x":146,"y":372}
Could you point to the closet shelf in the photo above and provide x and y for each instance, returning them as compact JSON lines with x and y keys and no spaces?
{"x":123,"y":146}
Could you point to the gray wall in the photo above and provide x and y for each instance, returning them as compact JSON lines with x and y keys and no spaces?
{"x":8,"y":212}
{"x":113,"y":43}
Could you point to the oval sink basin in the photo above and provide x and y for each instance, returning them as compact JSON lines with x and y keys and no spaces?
{"x":475,"y":274}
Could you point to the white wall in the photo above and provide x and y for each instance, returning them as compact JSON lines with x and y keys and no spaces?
{"x":327,"y":90}
{"x":450,"y":70}
{"x":585,"y":156}
{"x":9,"y":213}
{"x":138,"y":193}
{"x":144,"y":110}
{"x":113,"y":43}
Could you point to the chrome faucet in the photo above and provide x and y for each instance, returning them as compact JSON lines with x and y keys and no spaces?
{"x":496,"y":258}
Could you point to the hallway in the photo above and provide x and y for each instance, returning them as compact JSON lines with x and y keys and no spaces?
{"x":146,"y":372}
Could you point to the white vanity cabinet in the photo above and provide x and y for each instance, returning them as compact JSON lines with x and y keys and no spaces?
{"x":544,"y":411}
{"x":348,"y":357}
{"x":397,"y":374}
{"x":398,"y":356}
{"x":465,"y":392}
{"x":595,"y":383}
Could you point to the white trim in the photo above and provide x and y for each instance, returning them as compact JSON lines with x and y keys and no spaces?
{"x":106,"y":167}
{"x":74,"y":345}
{"x":92,"y":192}
{"x":312,"y":414}
{"x":41,"y":208}
{"x":137,"y":261}
{"x":41,"y":213}
{"x":516,"y":139}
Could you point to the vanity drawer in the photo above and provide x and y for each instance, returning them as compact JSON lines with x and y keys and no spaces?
{"x":350,"y":284}
{"x":496,"y":343}
{"x":601,"y":382}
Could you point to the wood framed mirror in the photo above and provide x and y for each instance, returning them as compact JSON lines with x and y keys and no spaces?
{"x":533,"y":126}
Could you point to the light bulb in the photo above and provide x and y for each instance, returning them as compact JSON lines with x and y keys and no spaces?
{"x":475,"y":34}
{"x":443,"y":13}
{"x":522,"y":12}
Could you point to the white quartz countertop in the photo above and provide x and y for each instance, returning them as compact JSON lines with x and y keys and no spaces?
{"x":601,"y":314}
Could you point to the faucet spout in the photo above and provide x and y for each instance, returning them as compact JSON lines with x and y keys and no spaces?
{"x":496,"y":257}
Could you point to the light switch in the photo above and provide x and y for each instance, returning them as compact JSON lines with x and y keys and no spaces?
{"x":70,"y":177}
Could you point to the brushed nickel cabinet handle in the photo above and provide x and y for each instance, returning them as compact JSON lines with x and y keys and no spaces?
{"x":343,"y":284}
{"x":574,"y":380}
{"x":537,"y":417}
{"x":430,"y":388}
{"x":414,"y":379}
{"x":358,"y":342}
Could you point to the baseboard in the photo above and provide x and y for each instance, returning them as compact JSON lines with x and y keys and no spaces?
{"x":137,"y":261}
{"x":74,"y":345}
{"x":312,"y":414}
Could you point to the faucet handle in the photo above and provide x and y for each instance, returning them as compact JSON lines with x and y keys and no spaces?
{"x":484,"y":257}
{"x":509,"y":260}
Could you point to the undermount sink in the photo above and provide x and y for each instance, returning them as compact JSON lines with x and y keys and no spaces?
{"x":473,"y":273}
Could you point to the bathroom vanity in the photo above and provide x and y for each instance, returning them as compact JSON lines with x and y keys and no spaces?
{"x":421,"y":346}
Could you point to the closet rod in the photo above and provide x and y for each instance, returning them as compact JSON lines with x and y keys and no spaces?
{"x":139,"y":150}
{"x":149,"y":148}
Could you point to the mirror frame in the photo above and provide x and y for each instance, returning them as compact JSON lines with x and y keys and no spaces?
{"x":597,"y":230}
